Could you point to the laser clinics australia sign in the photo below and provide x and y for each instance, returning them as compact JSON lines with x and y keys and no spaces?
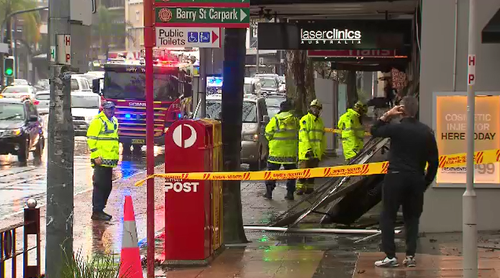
{"x":344,"y":36}
{"x":451,"y":126}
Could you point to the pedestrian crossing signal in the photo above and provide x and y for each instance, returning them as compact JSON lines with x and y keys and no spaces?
{"x":8,"y":66}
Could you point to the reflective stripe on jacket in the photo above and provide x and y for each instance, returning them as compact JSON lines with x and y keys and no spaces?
{"x":311,"y":137}
{"x":282,"y":134}
{"x":352,"y":133}
{"x":102,"y":138}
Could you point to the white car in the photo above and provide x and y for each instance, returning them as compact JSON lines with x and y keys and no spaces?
{"x":42,"y":102}
{"x":84,"y":107}
{"x":20,"y":82}
{"x":19,"y":91}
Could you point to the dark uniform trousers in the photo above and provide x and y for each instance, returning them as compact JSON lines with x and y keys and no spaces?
{"x":290,"y":185}
{"x":407,"y":190}
{"x":103,"y":182}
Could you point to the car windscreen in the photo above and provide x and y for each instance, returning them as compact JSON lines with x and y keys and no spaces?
{"x":132,"y":85}
{"x":11,"y":111}
{"x":249,"y":111}
{"x":15,"y":90}
{"x":274,"y":101}
{"x":42,"y":96}
{"x":85,"y":101}
{"x":267,"y":82}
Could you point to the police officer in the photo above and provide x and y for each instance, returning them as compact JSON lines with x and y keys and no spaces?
{"x":412,"y":147}
{"x":352,"y":130}
{"x":312,"y":144}
{"x":102,"y":138}
{"x":282,"y":134}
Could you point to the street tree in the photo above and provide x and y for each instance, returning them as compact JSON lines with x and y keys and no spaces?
{"x":300,"y":80}
{"x":31,"y":21}
{"x":109,"y":29}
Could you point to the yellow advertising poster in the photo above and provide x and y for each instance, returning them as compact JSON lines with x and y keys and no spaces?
{"x":451,"y":125}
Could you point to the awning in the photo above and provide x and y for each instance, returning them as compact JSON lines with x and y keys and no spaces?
{"x":491,"y":32}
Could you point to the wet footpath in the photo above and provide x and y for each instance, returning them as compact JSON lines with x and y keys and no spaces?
{"x":270,"y":254}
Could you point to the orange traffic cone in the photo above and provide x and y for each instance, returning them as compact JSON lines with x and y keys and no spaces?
{"x":130,"y":261}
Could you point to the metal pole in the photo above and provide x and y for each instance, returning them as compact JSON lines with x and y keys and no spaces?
{"x":60,"y":191}
{"x":204,"y":55}
{"x":469,"y":214}
{"x":150,"y":159}
{"x":257,"y":55}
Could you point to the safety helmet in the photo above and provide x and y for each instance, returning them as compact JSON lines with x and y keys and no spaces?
{"x":360,"y":107}
{"x":316,"y":103}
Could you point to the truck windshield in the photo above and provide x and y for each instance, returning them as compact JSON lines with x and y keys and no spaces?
{"x":132,"y":85}
{"x":249,"y":111}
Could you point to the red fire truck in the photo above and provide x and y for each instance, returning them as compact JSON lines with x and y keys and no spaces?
{"x":125,"y":85}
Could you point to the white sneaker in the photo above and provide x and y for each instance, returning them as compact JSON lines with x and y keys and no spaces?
{"x":410,"y":261}
{"x":387,"y":262}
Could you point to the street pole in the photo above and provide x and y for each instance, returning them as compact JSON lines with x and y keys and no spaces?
{"x":59,"y":215}
{"x":149,"y":41}
{"x":469,"y":214}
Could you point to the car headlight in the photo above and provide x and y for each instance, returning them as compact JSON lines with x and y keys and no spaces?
{"x":250,"y":137}
{"x":13,"y":132}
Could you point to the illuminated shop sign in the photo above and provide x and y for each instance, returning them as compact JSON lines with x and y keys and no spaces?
{"x":344,"y":36}
{"x":451,"y":128}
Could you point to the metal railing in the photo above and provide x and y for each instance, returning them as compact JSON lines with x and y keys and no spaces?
{"x":8,"y":247}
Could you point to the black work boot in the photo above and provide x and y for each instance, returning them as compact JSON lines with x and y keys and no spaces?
{"x":100,"y":216}
{"x":269,"y":192}
{"x":289,"y":196}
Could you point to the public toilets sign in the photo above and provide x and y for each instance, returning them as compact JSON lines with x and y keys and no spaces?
{"x":335,"y":34}
{"x":450,"y":127}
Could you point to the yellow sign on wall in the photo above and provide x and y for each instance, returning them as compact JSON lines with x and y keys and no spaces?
{"x":451,"y":128}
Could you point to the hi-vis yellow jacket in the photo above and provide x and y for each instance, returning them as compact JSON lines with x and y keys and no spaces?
{"x":282,"y":133}
{"x":102,"y":138}
{"x":311,"y":137}
{"x":353,"y":133}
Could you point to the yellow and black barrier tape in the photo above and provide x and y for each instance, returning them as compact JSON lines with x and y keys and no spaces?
{"x":454,"y":160}
{"x":338,"y":131}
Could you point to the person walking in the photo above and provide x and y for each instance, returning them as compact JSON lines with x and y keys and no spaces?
{"x":413,"y":145}
{"x":102,"y":139}
{"x":353,"y":132}
{"x":312,"y":144}
{"x":282,"y":133}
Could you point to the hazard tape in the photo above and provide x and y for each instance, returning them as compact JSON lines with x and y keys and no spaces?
{"x":338,"y":131}
{"x":454,"y":160}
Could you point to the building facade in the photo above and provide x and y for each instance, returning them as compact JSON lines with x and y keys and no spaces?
{"x":443,"y":72}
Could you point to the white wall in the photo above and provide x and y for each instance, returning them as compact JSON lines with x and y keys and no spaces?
{"x":443,"y":207}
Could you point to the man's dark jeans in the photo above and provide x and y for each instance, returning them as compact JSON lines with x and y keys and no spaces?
{"x":290,"y":185}
{"x":407,"y":190}
{"x":103,"y":183}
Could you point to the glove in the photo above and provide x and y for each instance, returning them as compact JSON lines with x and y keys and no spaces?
{"x":309,"y":154}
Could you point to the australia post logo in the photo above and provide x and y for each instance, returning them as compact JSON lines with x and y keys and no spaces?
{"x":184,"y":136}
{"x":181,"y":186}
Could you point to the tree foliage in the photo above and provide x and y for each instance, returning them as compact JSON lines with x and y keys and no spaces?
{"x":109,"y":29}
{"x":31,"y":20}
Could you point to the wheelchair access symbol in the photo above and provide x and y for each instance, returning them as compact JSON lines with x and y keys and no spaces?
{"x":192,"y":36}
{"x":205,"y":37}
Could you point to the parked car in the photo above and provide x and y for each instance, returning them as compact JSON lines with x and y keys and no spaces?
{"x":19,"y":91}
{"x":266,"y":84}
{"x":80,"y":84}
{"x":20,"y":82}
{"x":84,"y":107}
{"x":273,"y":104}
{"x":254,"y":149}
{"x":43,"y":85}
{"x":21,"y":129}
{"x":42,"y":102}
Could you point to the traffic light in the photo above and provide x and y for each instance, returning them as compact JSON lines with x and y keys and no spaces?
{"x":8,"y":66}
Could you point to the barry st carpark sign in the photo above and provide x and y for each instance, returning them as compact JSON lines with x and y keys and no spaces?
{"x":202,"y":13}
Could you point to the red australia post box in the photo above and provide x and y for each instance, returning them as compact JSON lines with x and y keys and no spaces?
{"x":188,"y":218}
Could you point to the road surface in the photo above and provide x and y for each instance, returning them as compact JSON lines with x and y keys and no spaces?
{"x":18,"y":184}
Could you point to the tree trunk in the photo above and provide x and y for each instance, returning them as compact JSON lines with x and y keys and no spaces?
{"x":352,"y":94}
{"x":300,"y":80}
{"x":309,"y":76}
{"x":232,"y":105}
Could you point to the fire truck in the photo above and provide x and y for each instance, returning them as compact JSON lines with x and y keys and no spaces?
{"x":124,"y":84}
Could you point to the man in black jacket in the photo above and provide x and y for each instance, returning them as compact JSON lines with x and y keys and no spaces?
{"x":413,"y":145}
